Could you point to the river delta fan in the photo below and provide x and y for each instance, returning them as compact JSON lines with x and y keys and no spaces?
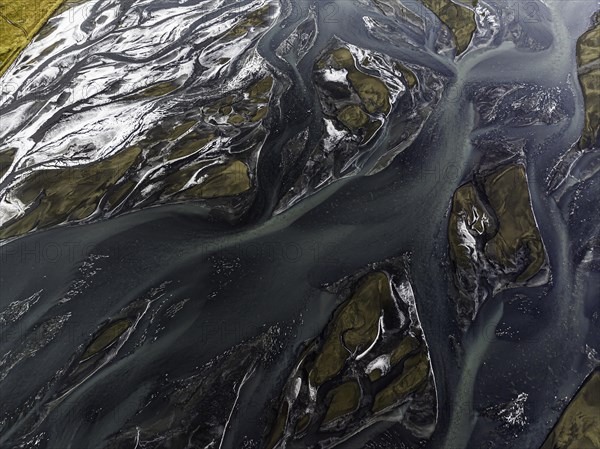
{"x":277,"y":224}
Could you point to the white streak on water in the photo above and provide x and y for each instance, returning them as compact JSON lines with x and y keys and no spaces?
{"x":237,"y":397}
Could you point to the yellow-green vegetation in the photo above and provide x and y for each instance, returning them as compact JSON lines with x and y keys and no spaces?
{"x":353,"y":117}
{"x":236,"y":119}
{"x":409,"y":76}
{"x":579,"y":425}
{"x":512,"y":228}
{"x":20,"y":20}
{"x":6,"y":159}
{"x":55,"y":195}
{"x":373,"y":92}
{"x":260,"y":91}
{"x":588,"y":44}
{"x":248,"y":110}
{"x":181,"y":129}
{"x":467,"y":206}
{"x":228,"y":179}
{"x":120,"y":192}
{"x":338,"y":367}
{"x":590,"y":85}
{"x":258,"y":18}
{"x":220,"y":105}
{"x":343,"y":58}
{"x":302,"y":424}
{"x":260,"y":114}
{"x":178,"y":179}
{"x":353,"y":328}
{"x":106,"y":337}
{"x":375,"y":375}
{"x":588,"y":59}
{"x":344,"y":399}
{"x":508,"y":194}
{"x":190,"y":144}
{"x":156,"y":90}
{"x":406,"y":346}
{"x":473,"y":3}
{"x":414,"y":375}
{"x":459,"y":19}
{"x":279,"y":426}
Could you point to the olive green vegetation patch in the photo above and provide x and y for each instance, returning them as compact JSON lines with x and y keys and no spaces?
{"x":473,"y":3}
{"x":406,"y":346}
{"x":6,"y":160}
{"x":508,"y":194}
{"x":343,"y":57}
{"x":579,"y":425}
{"x":375,"y":375}
{"x":242,"y":111}
{"x":190,"y":144}
{"x":260,"y":114}
{"x":507,"y":227}
{"x":258,"y":18}
{"x":236,"y":119}
{"x":20,"y":20}
{"x":302,"y":424}
{"x":177,"y":180}
{"x":181,"y":129}
{"x":220,"y":104}
{"x":333,"y":399}
{"x":353,"y":117}
{"x":55,"y":195}
{"x":343,"y":399}
{"x":259,"y":92}
{"x":156,"y":90}
{"x":120,"y":192}
{"x":106,"y":337}
{"x":354,"y":326}
{"x":588,"y":53}
{"x":590,"y":86}
{"x":459,"y":19}
{"x":409,"y":76}
{"x":279,"y":426}
{"x":588,"y":44}
{"x":373,"y":92}
{"x":229,"y":179}
{"x":414,"y":375}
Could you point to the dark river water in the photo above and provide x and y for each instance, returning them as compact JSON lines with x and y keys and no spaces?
{"x":237,"y":281}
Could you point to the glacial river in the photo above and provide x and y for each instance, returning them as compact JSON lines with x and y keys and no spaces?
{"x":234,"y":282}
